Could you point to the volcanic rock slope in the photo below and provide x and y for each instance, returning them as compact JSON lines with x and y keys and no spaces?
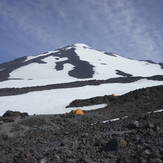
{"x":48,"y":82}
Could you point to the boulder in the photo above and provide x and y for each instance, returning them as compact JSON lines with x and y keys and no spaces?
{"x":11,"y":116}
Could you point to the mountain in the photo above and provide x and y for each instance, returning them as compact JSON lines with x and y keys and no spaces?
{"x":75,"y":62}
{"x":48,"y":82}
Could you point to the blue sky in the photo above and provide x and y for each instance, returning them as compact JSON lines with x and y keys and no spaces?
{"x":131,"y":28}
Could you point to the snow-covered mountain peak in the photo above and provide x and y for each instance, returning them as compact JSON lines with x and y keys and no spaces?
{"x":56,"y":78}
{"x":81,"y":45}
{"x":73,"y":63}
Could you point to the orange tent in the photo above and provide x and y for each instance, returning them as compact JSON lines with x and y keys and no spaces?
{"x":79,"y":112}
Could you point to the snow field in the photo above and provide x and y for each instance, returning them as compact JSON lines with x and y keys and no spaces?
{"x":55,"y":101}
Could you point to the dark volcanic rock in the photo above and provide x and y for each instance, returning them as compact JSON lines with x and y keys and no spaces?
{"x":23,"y":158}
{"x":82,"y":69}
{"x":112,"y":145}
{"x":70,"y":138}
{"x":123,"y":73}
{"x":92,"y":101}
{"x":10,"y":116}
{"x":161,"y":64}
{"x":134,"y":125}
{"x":10,"y":113}
{"x":9,"y":67}
{"x":111,"y":54}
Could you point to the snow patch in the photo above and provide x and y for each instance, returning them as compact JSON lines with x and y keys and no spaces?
{"x":81,"y":45}
{"x":36,"y":71}
{"x":156,"y":111}
{"x":134,"y":67}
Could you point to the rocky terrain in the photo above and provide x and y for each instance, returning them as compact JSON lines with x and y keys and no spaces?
{"x":129,"y":129}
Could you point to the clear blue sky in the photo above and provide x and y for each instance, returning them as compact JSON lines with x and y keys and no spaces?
{"x":131,"y":28}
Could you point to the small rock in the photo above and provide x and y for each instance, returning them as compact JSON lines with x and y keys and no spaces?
{"x":157,"y":128}
{"x":23,"y":158}
{"x":147,"y":152}
{"x":57,"y":157}
{"x":137,"y":137}
{"x":8,"y":119}
{"x":112,"y":145}
{"x":141,"y":160}
{"x":151,"y":125}
{"x":84,"y":160}
{"x":43,"y":160}
{"x":23,"y":115}
{"x":122,"y":142}
{"x":1,"y":122}
{"x":10,"y":113}
{"x":123,"y":159}
{"x":70,"y":161}
{"x":156,"y":160}
{"x":84,"y":135}
{"x":110,"y":161}
{"x":134,"y":125}
{"x":4,"y":137}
